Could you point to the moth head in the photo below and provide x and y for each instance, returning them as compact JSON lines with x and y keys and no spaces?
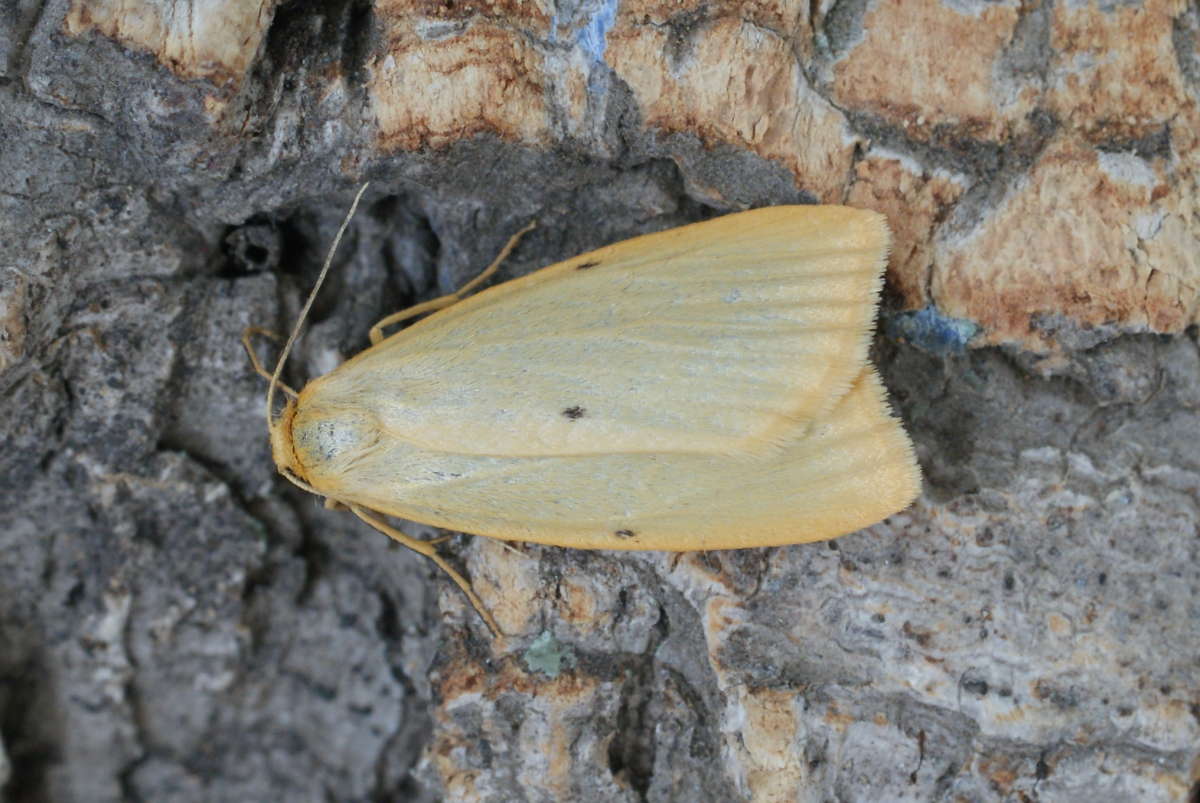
{"x":282,"y":448}
{"x":282,"y":426}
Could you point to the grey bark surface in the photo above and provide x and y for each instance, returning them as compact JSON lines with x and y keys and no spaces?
{"x":178,"y":623}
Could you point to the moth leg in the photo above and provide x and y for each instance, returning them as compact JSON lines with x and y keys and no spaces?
{"x":426,"y":548}
{"x":249,"y":332}
{"x":376,"y":333}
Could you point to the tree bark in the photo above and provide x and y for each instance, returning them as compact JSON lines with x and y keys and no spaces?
{"x":178,"y":623}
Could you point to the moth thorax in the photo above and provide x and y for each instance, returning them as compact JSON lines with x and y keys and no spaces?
{"x":325,"y":437}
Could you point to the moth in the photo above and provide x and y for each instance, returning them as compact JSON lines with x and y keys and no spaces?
{"x":705,"y":387}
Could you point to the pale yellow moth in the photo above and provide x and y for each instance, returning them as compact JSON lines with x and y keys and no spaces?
{"x":705,"y":387}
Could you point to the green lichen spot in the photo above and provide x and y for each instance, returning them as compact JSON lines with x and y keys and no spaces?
{"x":549,"y":656}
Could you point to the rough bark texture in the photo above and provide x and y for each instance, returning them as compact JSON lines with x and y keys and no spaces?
{"x":177,"y":623}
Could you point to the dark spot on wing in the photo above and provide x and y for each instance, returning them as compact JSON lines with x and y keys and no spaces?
{"x":591,"y":263}
{"x":624,"y":533}
{"x":574,"y":413}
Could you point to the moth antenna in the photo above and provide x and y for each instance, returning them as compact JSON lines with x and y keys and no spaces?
{"x":312,"y":296}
